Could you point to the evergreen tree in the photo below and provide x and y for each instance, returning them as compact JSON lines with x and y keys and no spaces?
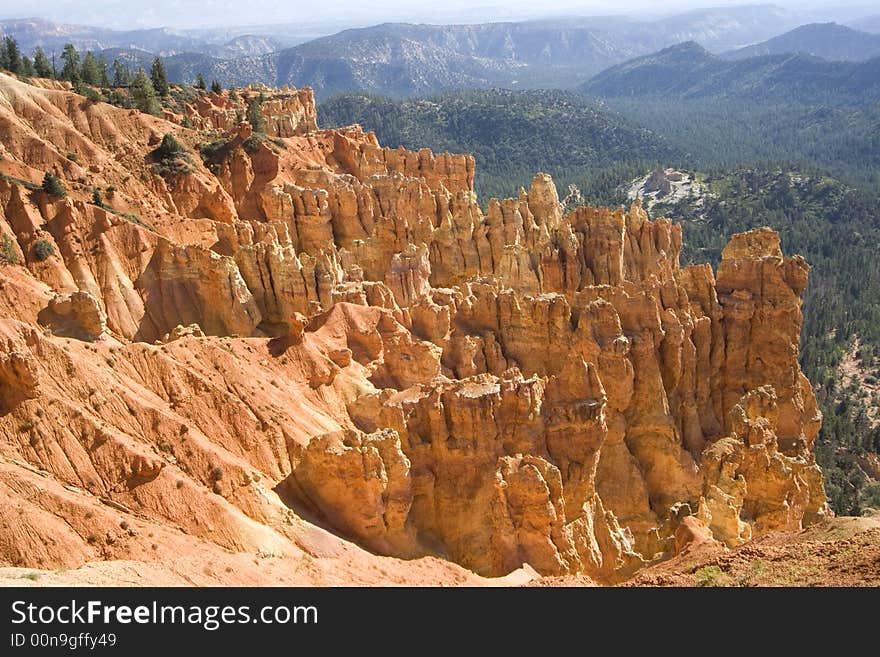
{"x":216,"y":87}
{"x":158,"y":77}
{"x":27,"y":67}
{"x":89,"y":71}
{"x":200,"y":81}
{"x":144,"y":95}
{"x":103,"y":73}
{"x":42,"y":65}
{"x":52,"y":186}
{"x":11,"y":55}
{"x":121,"y":74}
{"x":169,"y":149}
{"x":255,"y":116}
{"x":71,"y":69}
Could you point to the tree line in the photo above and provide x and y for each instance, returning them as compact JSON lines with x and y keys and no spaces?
{"x":120,"y":84}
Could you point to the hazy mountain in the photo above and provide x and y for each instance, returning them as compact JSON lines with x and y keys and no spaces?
{"x":688,"y":70}
{"x":718,"y":29}
{"x":51,"y":36}
{"x":402,"y":60}
{"x":246,"y":45}
{"x":405,"y":60}
{"x":184,"y":67}
{"x":827,"y":40}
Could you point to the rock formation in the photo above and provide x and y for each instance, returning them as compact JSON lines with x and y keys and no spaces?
{"x":308,"y":328}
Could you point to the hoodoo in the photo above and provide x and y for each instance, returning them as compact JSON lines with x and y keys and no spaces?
{"x":282,"y":349}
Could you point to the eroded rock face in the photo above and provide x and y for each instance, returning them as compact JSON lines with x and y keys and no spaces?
{"x":361,"y":484}
{"x":192,"y":285}
{"x":750,"y":485}
{"x":20,"y":378}
{"x":497,"y":388}
{"x":77,"y":315}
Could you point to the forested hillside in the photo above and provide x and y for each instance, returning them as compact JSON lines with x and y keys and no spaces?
{"x":512,"y":135}
{"x":784,"y":108}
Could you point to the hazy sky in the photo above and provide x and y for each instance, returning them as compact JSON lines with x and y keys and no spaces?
{"x":210,"y":13}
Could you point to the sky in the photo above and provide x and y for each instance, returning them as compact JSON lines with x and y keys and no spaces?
{"x":220,"y":13}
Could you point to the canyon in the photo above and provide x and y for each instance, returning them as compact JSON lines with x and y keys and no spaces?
{"x":300,"y":357}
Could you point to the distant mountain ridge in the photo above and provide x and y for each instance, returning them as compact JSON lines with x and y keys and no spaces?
{"x":690,"y":71}
{"x":826,"y":40}
{"x":404,"y":60}
{"x":781,"y":108}
{"x":52,"y":36}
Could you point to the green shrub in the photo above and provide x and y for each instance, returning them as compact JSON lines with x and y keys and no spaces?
{"x":213,"y":153}
{"x":169,"y":148}
{"x":710,"y":576}
{"x":92,"y":96}
{"x":756,"y":570}
{"x":175,"y":167}
{"x":7,"y":250}
{"x":252,"y":143}
{"x":43,"y":249}
{"x":53,"y":187}
{"x":170,"y":157}
{"x":214,"y":150}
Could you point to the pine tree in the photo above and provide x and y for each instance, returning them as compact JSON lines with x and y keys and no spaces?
{"x":169,"y":149}
{"x":121,"y":74}
{"x":89,"y":70}
{"x":103,"y":73}
{"x":71,"y":69}
{"x":11,"y":55}
{"x":158,"y":77}
{"x":144,"y":95}
{"x":27,"y":67}
{"x":42,"y":65}
{"x":52,"y":186}
{"x":216,"y":87}
{"x":200,"y":81}
{"x":255,"y":116}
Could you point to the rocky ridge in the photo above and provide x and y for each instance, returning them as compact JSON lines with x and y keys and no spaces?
{"x":306,"y":330}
